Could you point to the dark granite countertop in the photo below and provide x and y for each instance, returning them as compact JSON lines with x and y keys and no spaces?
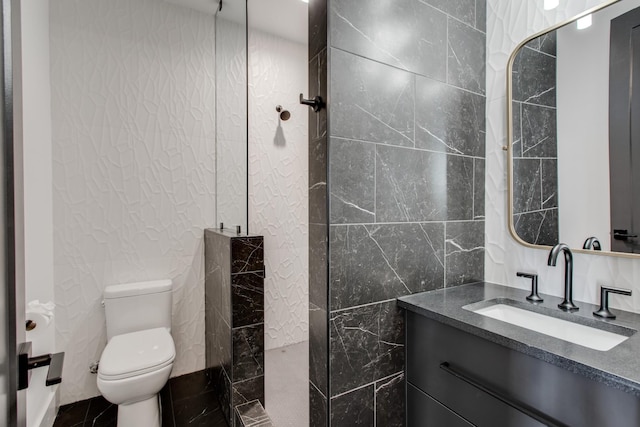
{"x":618,"y":367}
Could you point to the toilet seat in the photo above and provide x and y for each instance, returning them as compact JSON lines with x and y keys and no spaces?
{"x":136,"y":353}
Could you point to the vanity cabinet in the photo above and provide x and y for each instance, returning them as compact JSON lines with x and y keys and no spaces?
{"x":455,"y":378}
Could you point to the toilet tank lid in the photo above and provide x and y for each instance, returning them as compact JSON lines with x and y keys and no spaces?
{"x":138,"y":288}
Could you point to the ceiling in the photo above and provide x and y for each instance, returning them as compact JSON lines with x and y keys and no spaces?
{"x":283,"y":18}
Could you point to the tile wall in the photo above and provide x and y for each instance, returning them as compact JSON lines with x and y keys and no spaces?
{"x":535,"y":144}
{"x":396,"y":186}
{"x":234,"y":317}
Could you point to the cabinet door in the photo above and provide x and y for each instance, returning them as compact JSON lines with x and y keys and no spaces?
{"x":423,"y":411}
{"x":462,"y":370}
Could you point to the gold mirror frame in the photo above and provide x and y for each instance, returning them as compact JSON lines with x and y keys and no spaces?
{"x":509,"y":147}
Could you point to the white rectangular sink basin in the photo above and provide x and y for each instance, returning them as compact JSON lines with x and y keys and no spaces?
{"x":568,"y":331}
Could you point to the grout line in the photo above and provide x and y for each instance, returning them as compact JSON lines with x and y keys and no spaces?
{"x":402,"y":223}
{"x":340,"y":310}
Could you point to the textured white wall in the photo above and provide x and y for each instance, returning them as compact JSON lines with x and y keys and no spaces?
{"x":508,"y":23}
{"x":278,"y":176}
{"x":133,"y":173}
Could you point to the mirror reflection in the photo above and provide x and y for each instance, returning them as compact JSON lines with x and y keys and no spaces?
{"x":573,"y":133}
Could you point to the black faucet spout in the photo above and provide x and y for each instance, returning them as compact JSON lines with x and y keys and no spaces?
{"x":567,"y":304}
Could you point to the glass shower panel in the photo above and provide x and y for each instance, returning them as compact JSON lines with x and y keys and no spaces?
{"x":231,"y":114}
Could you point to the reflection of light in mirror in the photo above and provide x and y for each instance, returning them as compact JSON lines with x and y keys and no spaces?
{"x":551,"y":4}
{"x":584,"y":22}
{"x":305,"y":1}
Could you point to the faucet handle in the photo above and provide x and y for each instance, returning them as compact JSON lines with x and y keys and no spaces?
{"x":604,"y":301}
{"x":533,"y":297}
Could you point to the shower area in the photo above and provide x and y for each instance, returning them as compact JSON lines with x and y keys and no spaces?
{"x":262,"y":198}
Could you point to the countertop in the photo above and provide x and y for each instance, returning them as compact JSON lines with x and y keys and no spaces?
{"x":618,"y":367}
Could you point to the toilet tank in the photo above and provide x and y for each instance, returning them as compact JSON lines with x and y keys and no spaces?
{"x":137,"y":306}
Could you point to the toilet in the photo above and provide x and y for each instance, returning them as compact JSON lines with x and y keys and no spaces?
{"x":137,"y":361}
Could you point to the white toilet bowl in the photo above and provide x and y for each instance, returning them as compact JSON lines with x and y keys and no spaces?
{"x":133,"y":369}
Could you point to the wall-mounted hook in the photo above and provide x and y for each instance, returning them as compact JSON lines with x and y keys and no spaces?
{"x":316,"y":103}
{"x":284,"y":114}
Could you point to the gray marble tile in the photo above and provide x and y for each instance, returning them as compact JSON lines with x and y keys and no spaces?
{"x":549,"y":183}
{"x":353,"y":409}
{"x":318,"y":87}
{"x":539,"y":131}
{"x":517,"y":129}
{"x":352,"y":183}
{"x":548,"y":43}
{"x":367,"y":344}
{"x":318,"y":281}
{"x":247,"y":298}
{"x":375,"y":103}
{"x":248,"y":390}
{"x":481,"y":15}
{"x":379,"y":262}
{"x":247,"y":254}
{"x":538,"y":228}
{"x":466,"y":57}
{"x":526,"y":185}
{"x":449,"y":119}
{"x":248,"y":352}
{"x":464,"y":252}
{"x":317,"y":408}
{"x":534,"y":78}
{"x":318,"y":18}
{"x":416,"y":185}
{"x":318,"y":181}
{"x":464,"y":10}
{"x":318,"y":348}
{"x":407,"y":34}
{"x":224,"y":390}
{"x":390,"y":401}
{"x":533,"y":44}
{"x":478,"y":188}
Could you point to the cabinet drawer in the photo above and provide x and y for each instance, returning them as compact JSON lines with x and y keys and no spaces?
{"x":457,"y":369}
{"x":423,"y":411}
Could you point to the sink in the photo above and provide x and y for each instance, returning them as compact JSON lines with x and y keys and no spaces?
{"x":586,"y":336}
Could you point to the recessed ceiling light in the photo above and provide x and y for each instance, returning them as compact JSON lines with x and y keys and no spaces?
{"x":551,"y":4}
{"x":584,"y":22}
{"x":305,"y":1}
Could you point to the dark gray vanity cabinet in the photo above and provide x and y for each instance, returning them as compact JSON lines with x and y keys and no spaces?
{"x":455,"y":378}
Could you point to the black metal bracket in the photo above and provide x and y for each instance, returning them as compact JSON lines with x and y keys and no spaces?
{"x":316,"y":103}
{"x":26,"y":363}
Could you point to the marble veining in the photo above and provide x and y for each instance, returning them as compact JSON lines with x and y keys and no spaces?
{"x":535,"y":146}
{"x":404,"y":179}
{"x":367,"y":344}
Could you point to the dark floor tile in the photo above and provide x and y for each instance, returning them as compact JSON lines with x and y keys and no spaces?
{"x":166,"y":406}
{"x":201,"y":410}
{"x":72,"y":415}
{"x":102,"y":413}
{"x":190,"y":385}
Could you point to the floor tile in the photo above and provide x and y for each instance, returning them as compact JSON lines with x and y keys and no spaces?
{"x":190,"y":385}
{"x":202,"y":410}
{"x":101,"y":413}
{"x":72,"y":415}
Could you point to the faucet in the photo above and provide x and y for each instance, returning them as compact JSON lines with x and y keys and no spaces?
{"x":567,"y":304}
{"x":592,"y":242}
